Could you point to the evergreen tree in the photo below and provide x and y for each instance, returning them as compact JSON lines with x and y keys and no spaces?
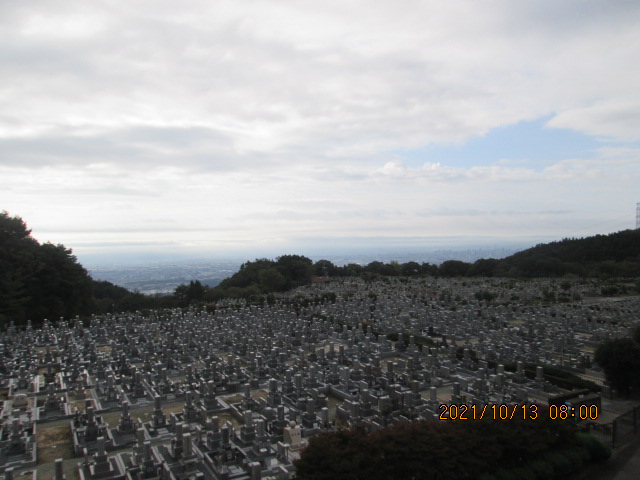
{"x":620,"y":360}
{"x":38,"y":281}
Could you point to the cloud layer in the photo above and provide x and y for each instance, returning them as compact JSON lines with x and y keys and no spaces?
{"x":262,"y":122}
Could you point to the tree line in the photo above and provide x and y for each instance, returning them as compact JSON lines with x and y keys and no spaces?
{"x":39,"y":281}
{"x":46,"y":281}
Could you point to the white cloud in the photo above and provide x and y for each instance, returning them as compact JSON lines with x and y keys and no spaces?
{"x":172,"y":204}
{"x":267,"y":120}
{"x":339,"y":78}
{"x":617,"y":119}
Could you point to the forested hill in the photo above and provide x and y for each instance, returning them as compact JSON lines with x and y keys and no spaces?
{"x":39,"y":281}
{"x":616,"y":254}
{"x":46,"y":281}
{"x":604,"y":256}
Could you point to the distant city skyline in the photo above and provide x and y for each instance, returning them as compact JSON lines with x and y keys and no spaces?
{"x":260,"y":128}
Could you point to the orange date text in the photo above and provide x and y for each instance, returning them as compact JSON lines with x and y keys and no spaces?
{"x":494,"y":412}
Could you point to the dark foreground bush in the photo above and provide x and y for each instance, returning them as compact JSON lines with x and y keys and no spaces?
{"x":597,"y":451}
{"x":436,"y":450}
{"x":485,"y":450}
{"x":542,"y":469}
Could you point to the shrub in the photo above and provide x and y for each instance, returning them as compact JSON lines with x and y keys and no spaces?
{"x":609,"y":290}
{"x":561,"y":464}
{"x":598,"y":452}
{"x":524,"y":473}
{"x":542,"y":469}
{"x":503,"y":474}
{"x":575,"y":457}
{"x":487,"y":476}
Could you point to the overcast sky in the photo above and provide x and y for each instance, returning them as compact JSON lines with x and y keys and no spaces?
{"x":226,"y":125}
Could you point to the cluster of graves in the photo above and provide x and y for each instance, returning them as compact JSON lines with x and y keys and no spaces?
{"x":253,"y":383}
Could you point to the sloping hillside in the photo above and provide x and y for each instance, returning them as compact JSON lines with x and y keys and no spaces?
{"x":616,"y":254}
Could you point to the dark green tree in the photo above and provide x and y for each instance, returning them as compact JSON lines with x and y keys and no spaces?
{"x":107,"y":297}
{"x":187,"y":294}
{"x":325,"y":268}
{"x":429,"y":269}
{"x":18,"y":257}
{"x":453,"y":268}
{"x":38,"y":281}
{"x":375,"y":267}
{"x":60,"y":284}
{"x":620,"y":360}
{"x":352,"y":269}
{"x":410,"y":269}
{"x":437,"y":450}
{"x":195,"y":292}
{"x":297,"y":269}
{"x":392,"y":269}
{"x":484,"y":267}
{"x":271,"y":280}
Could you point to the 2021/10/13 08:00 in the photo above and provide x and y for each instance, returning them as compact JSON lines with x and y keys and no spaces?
{"x":522,"y":411}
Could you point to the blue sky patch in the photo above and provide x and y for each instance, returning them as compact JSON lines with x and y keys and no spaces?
{"x":527,"y":144}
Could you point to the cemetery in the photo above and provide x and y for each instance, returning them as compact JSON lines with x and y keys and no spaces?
{"x":237,"y":392}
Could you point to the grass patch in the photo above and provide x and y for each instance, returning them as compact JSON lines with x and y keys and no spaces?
{"x":54,"y":442}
